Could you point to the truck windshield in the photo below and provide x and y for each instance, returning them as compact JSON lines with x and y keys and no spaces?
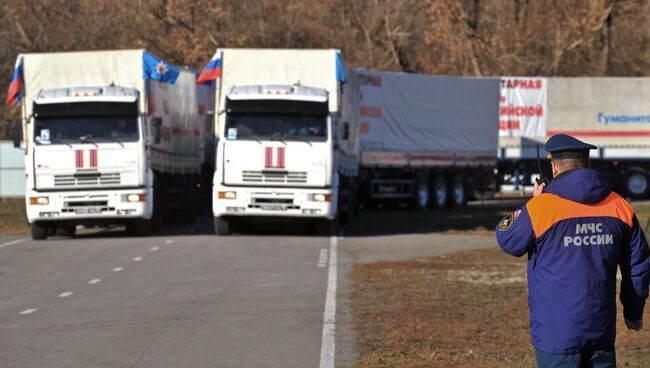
{"x":276,"y":126}
{"x":81,"y":129}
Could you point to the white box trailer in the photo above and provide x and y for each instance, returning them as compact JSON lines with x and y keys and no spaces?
{"x":286,"y":147}
{"x":426,"y":139}
{"x":612,"y":113}
{"x":110,"y":137}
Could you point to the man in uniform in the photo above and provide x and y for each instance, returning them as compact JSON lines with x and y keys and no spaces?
{"x":576,"y":231}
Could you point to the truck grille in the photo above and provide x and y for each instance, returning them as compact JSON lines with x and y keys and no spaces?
{"x":274,"y":177}
{"x":86,"y":179}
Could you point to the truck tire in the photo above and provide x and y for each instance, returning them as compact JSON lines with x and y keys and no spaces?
{"x":635,"y":184}
{"x":422,"y":194}
{"x":39,"y":231}
{"x":440,"y":192}
{"x":222,"y":226}
{"x":325,"y":227}
{"x":458,"y":192}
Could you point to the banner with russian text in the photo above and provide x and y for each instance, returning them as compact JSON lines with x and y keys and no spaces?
{"x":522,"y":107}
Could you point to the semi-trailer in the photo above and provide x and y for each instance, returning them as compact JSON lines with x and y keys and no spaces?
{"x":110,"y":137}
{"x":612,"y":113}
{"x":430,"y":141}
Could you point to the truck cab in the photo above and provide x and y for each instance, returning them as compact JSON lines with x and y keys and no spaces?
{"x":275,"y":156}
{"x":86,"y":159}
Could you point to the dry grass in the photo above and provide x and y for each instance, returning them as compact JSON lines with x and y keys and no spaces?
{"x":463,"y":310}
{"x":13,"y":220}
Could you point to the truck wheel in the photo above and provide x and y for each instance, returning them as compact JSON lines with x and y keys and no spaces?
{"x":635,"y":185}
{"x":422,"y":195}
{"x":222,"y":226}
{"x":440,"y":191}
{"x":325,"y":227}
{"x":39,"y":231}
{"x":458,"y":194}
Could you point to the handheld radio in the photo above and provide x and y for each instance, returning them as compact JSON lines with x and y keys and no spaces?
{"x":541,"y":180}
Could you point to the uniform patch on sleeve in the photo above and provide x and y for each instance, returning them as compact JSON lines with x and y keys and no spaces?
{"x":506,"y":222}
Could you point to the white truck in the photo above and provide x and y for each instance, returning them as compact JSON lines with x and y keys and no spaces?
{"x":111,"y":137}
{"x":286,"y":146}
{"x":430,"y":141}
{"x":612,"y":113}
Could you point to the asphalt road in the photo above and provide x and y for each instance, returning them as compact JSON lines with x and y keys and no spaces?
{"x":177,"y":300}
{"x":268,"y":298}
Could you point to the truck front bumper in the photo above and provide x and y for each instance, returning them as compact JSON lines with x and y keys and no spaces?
{"x":87,"y":206}
{"x":274,"y":202}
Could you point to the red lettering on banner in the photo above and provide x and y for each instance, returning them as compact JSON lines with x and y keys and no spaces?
{"x":509,"y":125}
{"x":371,"y":112}
{"x":521,"y":83}
{"x":511,"y":110}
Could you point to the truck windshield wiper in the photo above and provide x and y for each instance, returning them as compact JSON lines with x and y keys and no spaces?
{"x":86,"y":139}
{"x":112,"y":139}
{"x":303,"y":140}
{"x":278,"y":139}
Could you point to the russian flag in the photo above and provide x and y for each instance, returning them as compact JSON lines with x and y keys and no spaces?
{"x":211,"y":71}
{"x":13,"y":96}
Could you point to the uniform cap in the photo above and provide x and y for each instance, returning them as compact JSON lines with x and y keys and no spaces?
{"x":562,"y":146}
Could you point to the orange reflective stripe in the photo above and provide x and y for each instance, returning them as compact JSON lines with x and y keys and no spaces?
{"x":549,"y":209}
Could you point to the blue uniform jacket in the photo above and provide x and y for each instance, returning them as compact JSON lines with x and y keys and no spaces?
{"x":575,"y":235}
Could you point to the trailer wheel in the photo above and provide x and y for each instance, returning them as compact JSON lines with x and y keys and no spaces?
{"x":635,"y":184}
{"x":222,"y":226}
{"x":422,"y":195}
{"x":39,"y":231}
{"x":458,"y":194}
{"x":440,"y":191}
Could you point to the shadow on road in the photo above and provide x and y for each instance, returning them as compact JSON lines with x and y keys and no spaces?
{"x":476,"y":218}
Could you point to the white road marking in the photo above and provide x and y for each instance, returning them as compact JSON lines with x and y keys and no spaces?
{"x":66,"y":294}
{"x":153,"y":249}
{"x":329,"y":317}
{"x":169,"y":241}
{"x":118,"y":269}
{"x":137,"y":259}
{"x":322,"y":258}
{"x":28,"y":311}
{"x":94,"y":281}
{"x":15,"y":241}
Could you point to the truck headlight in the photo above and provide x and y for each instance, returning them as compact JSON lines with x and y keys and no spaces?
{"x":136,"y":198}
{"x":321,"y":197}
{"x":227,"y":195}
{"x":39,"y":200}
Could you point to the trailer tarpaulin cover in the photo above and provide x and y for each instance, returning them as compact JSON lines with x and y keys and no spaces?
{"x":608,"y":112}
{"x":427,"y":120}
{"x":522,"y":107}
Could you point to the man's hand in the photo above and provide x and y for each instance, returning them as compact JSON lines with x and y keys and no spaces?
{"x":538,"y":189}
{"x":634,"y":325}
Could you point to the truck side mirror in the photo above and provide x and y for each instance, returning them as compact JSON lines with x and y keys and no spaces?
{"x":16,"y":133}
{"x":345,"y":134}
{"x":156,"y":127}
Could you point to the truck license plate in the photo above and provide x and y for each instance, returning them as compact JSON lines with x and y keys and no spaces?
{"x":272,"y":208}
{"x":84,"y":211}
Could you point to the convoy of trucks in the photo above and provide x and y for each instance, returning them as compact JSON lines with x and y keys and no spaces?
{"x":110,"y":137}
{"x":122,"y":137}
